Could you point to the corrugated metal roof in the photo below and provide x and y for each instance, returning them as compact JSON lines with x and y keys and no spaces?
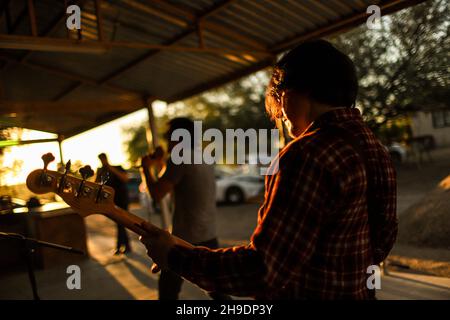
{"x":257,"y":30}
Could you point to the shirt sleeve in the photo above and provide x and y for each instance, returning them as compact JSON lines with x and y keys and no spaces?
{"x":383,"y":214}
{"x":237,"y":271}
{"x":284,"y":239}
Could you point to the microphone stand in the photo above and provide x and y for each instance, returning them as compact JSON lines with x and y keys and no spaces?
{"x":29,"y":245}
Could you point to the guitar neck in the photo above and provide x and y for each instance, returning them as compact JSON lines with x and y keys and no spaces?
{"x":133,"y":222}
{"x":127,"y":219}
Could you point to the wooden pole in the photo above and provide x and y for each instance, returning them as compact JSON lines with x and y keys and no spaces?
{"x":153,"y":142}
{"x":201,"y":42}
{"x":61,"y":159}
{"x":32,"y":15}
{"x":154,"y":139}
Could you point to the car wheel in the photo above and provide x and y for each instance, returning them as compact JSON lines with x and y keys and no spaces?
{"x":234,"y":195}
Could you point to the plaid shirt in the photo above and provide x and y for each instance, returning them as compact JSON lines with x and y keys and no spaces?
{"x":315,"y":237}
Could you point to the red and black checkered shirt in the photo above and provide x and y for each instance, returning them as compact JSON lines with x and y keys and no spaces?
{"x":328,"y":214}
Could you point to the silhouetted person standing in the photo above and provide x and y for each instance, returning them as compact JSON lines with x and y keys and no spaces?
{"x":194,"y":188}
{"x":118,"y":179}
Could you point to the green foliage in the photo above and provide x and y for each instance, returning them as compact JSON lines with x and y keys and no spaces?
{"x":239,"y":104}
{"x":398,"y":130}
{"x":137,"y":144}
{"x":402,"y":68}
{"x":9,"y":133}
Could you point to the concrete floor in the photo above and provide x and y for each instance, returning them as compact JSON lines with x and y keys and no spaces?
{"x":105,"y":276}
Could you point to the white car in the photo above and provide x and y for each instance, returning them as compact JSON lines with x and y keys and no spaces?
{"x":397,"y":151}
{"x":239,"y":188}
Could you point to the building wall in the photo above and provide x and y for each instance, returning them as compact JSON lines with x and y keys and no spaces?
{"x":422,"y":124}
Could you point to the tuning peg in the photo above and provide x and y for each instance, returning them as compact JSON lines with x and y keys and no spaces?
{"x":86,"y":172}
{"x":104,"y":178}
{"x":62,"y":181}
{"x":100,"y":193}
{"x":67,"y":167}
{"x":47,"y":158}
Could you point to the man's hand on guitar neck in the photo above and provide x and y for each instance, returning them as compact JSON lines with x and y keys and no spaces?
{"x":159,"y":243}
{"x":153,"y":166}
{"x":154,"y":159}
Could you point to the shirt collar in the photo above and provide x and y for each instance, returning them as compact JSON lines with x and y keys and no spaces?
{"x":336,"y":116}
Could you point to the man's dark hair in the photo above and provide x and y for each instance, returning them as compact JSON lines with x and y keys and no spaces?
{"x":102,"y":155}
{"x":315,"y":68}
{"x":181,"y":123}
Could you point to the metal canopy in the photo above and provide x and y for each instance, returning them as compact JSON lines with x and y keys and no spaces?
{"x":131,"y":52}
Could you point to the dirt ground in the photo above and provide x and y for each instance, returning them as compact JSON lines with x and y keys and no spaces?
{"x":415,"y":181}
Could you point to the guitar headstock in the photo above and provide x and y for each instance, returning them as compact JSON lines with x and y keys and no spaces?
{"x":84,"y":196}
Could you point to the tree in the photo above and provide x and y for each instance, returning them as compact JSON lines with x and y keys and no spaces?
{"x":136,"y":145}
{"x":9,"y":133}
{"x":404,"y":66}
{"x":239,"y":104}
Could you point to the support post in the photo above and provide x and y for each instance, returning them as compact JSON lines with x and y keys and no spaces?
{"x":152,"y":134}
{"x":32,"y":15}
{"x":60,"y":140}
{"x":201,"y":42}
{"x":98,"y":13}
{"x":153,"y":142}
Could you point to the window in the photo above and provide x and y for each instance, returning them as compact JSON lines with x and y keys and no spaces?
{"x":441,"y":118}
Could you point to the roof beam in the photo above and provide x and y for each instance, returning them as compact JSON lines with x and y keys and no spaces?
{"x":85,"y":46}
{"x":386,"y":6}
{"x":62,"y":94}
{"x":49,"y":29}
{"x":74,"y":77}
{"x":50,"y":44}
{"x":222,"y":80}
{"x":140,"y":7}
{"x":145,"y":57}
{"x":32,"y":17}
{"x":220,"y":6}
{"x":11,"y":143}
{"x":173,"y":41}
{"x":211,"y":26}
{"x":63,"y":107}
{"x":138,"y":60}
